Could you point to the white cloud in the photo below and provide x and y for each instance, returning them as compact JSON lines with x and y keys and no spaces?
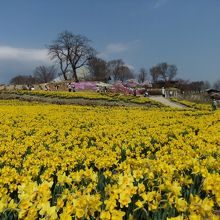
{"x":14,"y":61}
{"x":116,"y":48}
{"x":22,"y":54}
{"x":159,"y":3}
{"x":131,"y":67}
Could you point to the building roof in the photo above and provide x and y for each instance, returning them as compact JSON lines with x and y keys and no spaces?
{"x":212,"y":91}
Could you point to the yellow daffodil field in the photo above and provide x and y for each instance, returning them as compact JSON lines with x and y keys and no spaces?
{"x":82,"y":162}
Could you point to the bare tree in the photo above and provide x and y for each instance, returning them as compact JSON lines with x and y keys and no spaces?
{"x":171,"y":72}
{"x":163,"y":71}
{"x":23,"y":80}
{"x":142,"y":76}
{"x":98,"y":69}
{"x":216,"y":85}
{"x":124,"y":73}
{"x":206,"y":85}
{"x":71,"y":50}
{"x":195,"y":86}
{"x":56,"y":53}
{"x":44,"y":74}
{"x":155,"y":72}
{"x":114,"y":66}
{"x":119,"y":70}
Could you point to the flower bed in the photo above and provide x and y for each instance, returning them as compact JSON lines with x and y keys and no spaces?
{"x":64,"y":162}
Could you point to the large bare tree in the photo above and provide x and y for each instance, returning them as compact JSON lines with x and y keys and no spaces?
{"x":114,"y":66}
{"x":23,"y":80}
{"x":155,"y":73}
{"x":56,"y":53}
{"x":119,"y":70}
{"x":44,"y":74}
{"x":98,"y":69}
{"x":142,"y":76}
{"x":71,"y":50}
{"x":163,"y":71}
{"x":124,"y":73}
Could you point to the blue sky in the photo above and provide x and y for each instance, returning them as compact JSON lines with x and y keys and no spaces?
{"x":141,"y":32}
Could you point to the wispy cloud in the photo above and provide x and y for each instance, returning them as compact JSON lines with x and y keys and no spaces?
{"x":159,"y":3}
{"x":14,"y":61}
{"x":117,"y":48}
{"x":131,"y":67}
{"x":22,"y":54}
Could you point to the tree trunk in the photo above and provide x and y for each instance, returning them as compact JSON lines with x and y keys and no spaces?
{"x":75,"y":75}
{"x":63,"y":70}
{"x":64,"y":76}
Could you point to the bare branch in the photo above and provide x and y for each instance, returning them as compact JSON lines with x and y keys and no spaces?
{"x":71,"y":51}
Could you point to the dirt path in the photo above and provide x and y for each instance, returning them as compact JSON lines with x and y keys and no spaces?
{"x":93,"y":102}
{"x":167,"y":102}
{"x":73,"y":101}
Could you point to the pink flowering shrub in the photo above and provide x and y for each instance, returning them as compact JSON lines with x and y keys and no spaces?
{"x":85,"y":86}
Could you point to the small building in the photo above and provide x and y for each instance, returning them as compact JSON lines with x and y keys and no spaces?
{"x":213,"y":93}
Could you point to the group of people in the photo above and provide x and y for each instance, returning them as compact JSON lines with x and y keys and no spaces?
{"x":146,"y":94}
{"x":71,"y":87}
{"x":29,"y":87}
{"x":101,"y":89}
{"x":167,"y":93}
{"x":46,"y":87}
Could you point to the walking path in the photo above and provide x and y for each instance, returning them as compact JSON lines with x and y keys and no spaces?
{"x":167,"y":102}
{"x":72,"y":101}
{"x":93,"y":102}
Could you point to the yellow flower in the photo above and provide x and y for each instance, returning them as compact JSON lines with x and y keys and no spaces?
{"x":25,"y":204}
{"x":139,"y":204}
{"x":77,"y":154}
{"x":207,"y":205}
{"x":181,"y":205}
{"x":195,"y":217}
{"x":47,"y":210}
{"x":153,"y":205}
{"x":60,"y":203}
{"x":180,"y":217}
{"x":117,"y":214}
{"x":68,"y":209}
{"x":3,"y":203}
{"x":32,"y":213}
{"x":151,"y":175}
{"x":65,"y":216}
{"x":110,"y":204}
{"x":141,"y":188}
{"x":12,"y":204}
{"x":175,"y":188}
{"x":79,"y":213}
{"x":124,"y":199}
{"x":105,"y":215}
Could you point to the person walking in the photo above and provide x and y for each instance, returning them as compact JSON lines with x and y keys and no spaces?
{"x":69,"y":87}
{"x":214,"y":104}
{"x":73,"y":87}
{"x":163,"y":92}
